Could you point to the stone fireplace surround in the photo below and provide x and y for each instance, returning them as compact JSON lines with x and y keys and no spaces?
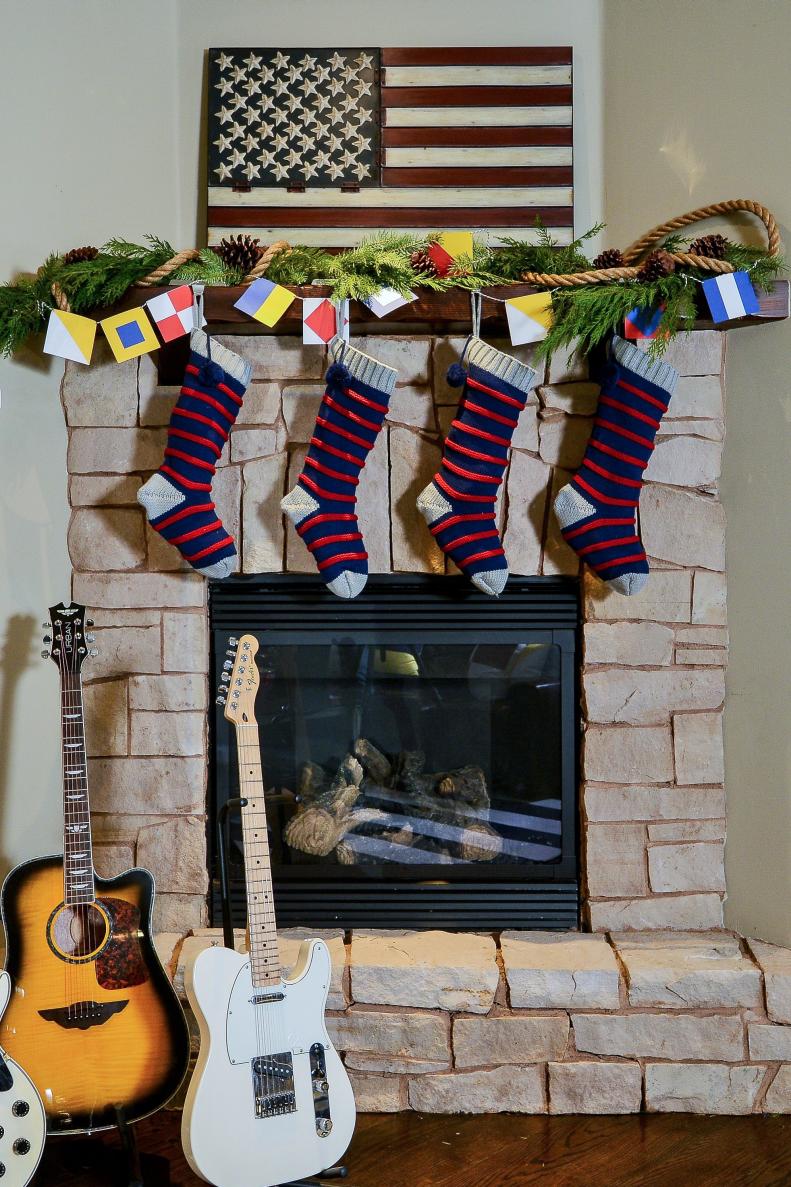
{"x":653,"y":1006}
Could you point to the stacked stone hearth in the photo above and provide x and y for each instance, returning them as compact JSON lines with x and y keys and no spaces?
{"x":652,"y":795}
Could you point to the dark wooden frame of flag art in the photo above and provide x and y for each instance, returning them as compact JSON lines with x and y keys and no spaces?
{"x":326,"y":146}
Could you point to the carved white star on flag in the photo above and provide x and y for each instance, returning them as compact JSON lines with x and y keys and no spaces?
{"x":223,"y":61}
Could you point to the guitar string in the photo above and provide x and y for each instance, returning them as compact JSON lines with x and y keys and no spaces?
{"x":69,"y":986}
{"x":257,"y":1018}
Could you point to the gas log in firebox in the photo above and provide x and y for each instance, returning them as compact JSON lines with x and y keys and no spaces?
{"x":419,"y":750}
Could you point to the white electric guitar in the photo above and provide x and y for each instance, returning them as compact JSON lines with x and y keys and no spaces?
{"x":269,"y":1100}
{"x":23,"y":1123}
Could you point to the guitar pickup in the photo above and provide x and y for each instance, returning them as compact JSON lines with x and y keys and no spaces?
{"x":321,"y":1090}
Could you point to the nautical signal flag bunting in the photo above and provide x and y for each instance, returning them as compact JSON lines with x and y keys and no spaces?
{"x":70,"y":336}
{"x":643,"y":323}
{"x":130,"y":334}
{"x":265,"y":301}
{"x":730,"y":296}
{"x":173,"y":312}
{"x":323,"y":319}
{"x":529,"y":318}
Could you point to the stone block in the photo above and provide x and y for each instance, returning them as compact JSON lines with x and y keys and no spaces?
{"x":290,"y":941}
{"x":110,"y":860}
{"x":276,"y":356}
{"x":125,"y":649}
{"x":179,"y":912}
{"x":775,"y":963}
{"x":559,"y":558}
{"x":103,"y":394}
{"x":629,"y":644}
{"x":160,"y":693}
{"x":301,"y":403}
{"x":409,"y":355}
{"x":576,"y":399}
{"x":526,"y":432}
{"x":179,"y":734}
{"x":688,"y":972}
{"x":694,"y":866}
{"x":105,"y":590}
{"x":709,"y":598}
{"x":565,"y":970}
{"x":697,"y":741}
{"x":704,"y":636}
{"x":653,"y":803}
{"x":628,"y":754}
{"x":769,"y":1042}
{"x":661,"y":1036}
{"x":413,"y":462}
{"x":156,"y":406}
{"x":563,"y":439}
{"x":496,"y":1090}
{"x":701,"y":1088}
{"x":373,"y":507}
{"x":106,"y":727}
{"x":515,"y":1038}
{"x":248,"y":444}
{"x":685,"y":461}
{"x":688,"y":830}
{"x":106,"y":539}
{"x":665,"y":598}
{"x":567,"y":367}
{"x":445,"y":352}
{"x":709,"y":430}
{"x":185,"y":642}
{"x":700,"y":352}
{"x":175,"y":853}
{"x":115,"y":451}
{"x":379,"y":1094}
{"x":103,"y":490}
{"x":698,"y":397}
{"x":262,"y":519}
{"x":633,"y":697}
{"x":402,"y":1036}
{"x":591,"y":1087}
{"x":684,"y":911}
{"x":702,"y":656}
{"x":157,"y":785}
{"x":261,"y":404}
{"x":778,"y":1096}
{"x":615,"y":860}
{"x":683,"y":528}
{"x":298,"y":558}
{"x":412,"y":406}
{"x":166,"y":946}
{"x":432,"y":969}
{"x":527,"y":485}
{"x":161,"y":556}
{"x":124,"y":617}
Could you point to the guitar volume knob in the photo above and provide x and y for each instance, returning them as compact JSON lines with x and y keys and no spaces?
{"x":20,"y":1108}
{"x":21,"y":1146}
{"x":323,"y":1126}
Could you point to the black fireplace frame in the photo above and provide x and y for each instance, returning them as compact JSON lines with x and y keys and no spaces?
{"x":293,"y":608}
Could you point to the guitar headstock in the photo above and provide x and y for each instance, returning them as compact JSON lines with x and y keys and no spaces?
{"x":240,"y":681}
{"x":68,"y":641}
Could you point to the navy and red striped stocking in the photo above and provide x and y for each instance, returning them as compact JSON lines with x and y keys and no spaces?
{"x":322,"y":505}
{"x":459,"y":502}
{"x":597,"y":510}
{"x":177,"y":498}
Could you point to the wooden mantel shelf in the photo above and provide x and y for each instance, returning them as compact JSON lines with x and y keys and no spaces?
{"x":431,"y":313}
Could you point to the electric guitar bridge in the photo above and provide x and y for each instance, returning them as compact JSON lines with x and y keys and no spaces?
{"x":273,"y":1085}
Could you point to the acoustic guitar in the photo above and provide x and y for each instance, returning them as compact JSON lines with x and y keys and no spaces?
{"x":92,"y":1018}
{"x":269,"y":1099}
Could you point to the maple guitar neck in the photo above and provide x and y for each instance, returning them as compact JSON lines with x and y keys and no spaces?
{"x":261,"y":925}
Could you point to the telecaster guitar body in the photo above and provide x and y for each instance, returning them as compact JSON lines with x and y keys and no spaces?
{"x":92,"y":1017}
{"x":269,"y":1099}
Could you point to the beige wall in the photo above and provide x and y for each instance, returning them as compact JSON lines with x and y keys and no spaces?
{"x":111,"y":146}
{"x":697,"y":97}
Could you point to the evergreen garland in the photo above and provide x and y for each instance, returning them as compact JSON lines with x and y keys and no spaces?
{"x":585,"y":315}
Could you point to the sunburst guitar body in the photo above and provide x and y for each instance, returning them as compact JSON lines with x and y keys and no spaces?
{"x":92,"y":1016}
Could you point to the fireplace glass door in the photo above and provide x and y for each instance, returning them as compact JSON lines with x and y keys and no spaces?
{"x":406,"y":752}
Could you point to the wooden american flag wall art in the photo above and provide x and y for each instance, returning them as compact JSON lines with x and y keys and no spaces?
{"x":325,"y":146}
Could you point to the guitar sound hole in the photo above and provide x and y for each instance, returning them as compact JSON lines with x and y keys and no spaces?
{"x":78,"y":933}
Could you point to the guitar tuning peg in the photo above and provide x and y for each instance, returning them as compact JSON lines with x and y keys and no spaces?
{"x":227,"y":665}
{"x":47,"y":639}
{"x":89,"y":638}
{"x":89,"y":622}
{"x":233,"y":641}
{"x":45,"y":655}
{"x":231,"y":654}
{"x":225,"y":678}
{"x":220,"y":701}
{"x":93,"y":651}
{"x":46,"y":625}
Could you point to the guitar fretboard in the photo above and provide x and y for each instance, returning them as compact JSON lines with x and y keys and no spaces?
{"x":264,"y":955}
{"x":78,"y":883}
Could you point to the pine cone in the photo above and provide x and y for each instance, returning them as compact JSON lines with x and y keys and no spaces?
{"x":240,"y":251}
{"x":658,"y":264}
{"x":78,"y":254}
{"x":612,"y":258}
{"x":422,"y":263}
{"x":713,"y":246}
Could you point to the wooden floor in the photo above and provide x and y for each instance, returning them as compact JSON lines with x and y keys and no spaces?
{"x":410,"y":1150}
